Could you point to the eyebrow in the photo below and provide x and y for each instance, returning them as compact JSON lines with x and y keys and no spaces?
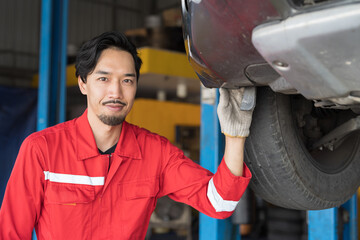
{"x":130,"y":75}
{"x":101,"y":72}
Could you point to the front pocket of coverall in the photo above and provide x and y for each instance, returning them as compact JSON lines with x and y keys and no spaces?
{"x":62,"y":193}
{"x":70,"y":210}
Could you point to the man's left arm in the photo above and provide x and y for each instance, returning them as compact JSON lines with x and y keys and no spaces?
{"x":234,"y":155}
{"x":235,"y":116}
{"x":232,"y":177}
{"x":215,"y":195}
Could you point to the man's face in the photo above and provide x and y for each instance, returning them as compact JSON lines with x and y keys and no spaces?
{"x":111,"y":87}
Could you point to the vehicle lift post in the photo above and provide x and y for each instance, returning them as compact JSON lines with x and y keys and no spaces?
{"x":334,"y":223}
{"x":212,"y":144}
{"x":52,"y":64}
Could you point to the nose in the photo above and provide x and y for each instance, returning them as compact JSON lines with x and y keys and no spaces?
{"x":115,"y":90}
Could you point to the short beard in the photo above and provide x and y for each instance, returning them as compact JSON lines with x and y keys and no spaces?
{"x":111,"y":120}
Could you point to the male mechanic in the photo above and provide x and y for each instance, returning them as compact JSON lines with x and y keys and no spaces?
{"x":98,"y":177}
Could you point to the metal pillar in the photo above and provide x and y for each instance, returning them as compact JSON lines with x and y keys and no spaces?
{"x":211,"y":153}
{"x":334,"y":223}
{"x":52,"y":64}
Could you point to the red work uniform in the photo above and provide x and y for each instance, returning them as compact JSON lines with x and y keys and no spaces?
{"x":62,"y":185}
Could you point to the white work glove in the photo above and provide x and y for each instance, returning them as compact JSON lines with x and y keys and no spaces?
{"x":234,"y":122}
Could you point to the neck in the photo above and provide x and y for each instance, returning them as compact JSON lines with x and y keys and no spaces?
{"x":105,"y":136}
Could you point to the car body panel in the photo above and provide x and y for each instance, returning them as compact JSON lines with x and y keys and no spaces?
{"x":218,"y":35}
{"x":312,"y":51}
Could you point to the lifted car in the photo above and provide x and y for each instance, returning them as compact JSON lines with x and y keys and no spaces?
{"x":304,"y":58}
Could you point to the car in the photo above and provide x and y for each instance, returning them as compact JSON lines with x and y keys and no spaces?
{"x":303,"y":57}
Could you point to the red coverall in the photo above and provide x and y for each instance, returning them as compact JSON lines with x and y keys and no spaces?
{"x":64,"y":188}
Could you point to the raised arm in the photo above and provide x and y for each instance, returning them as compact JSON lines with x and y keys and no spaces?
{"x":235,"y":114}
{"x":215,"y":195}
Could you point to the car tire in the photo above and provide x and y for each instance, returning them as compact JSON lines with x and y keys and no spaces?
{"x":285,"y":172}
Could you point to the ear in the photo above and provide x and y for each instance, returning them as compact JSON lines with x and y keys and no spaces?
{"x":82,"y":86}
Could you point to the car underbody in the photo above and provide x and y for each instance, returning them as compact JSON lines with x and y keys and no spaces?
{"x":303,"y":57}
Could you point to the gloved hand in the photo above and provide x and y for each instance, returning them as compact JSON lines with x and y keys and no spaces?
{"x":234,"y":122}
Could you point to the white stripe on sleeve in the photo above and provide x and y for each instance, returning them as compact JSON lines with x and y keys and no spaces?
{"x":75,"y":179}
{"x":217,"y":201}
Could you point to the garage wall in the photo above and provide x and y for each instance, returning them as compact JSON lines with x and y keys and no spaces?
{"x":20,"y":30}
{"x":19,"y":26}
{"x":88,"y":18}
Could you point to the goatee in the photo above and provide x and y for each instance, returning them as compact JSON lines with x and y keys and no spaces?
{"x":111,"y":120}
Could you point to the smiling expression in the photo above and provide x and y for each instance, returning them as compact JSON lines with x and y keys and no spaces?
{"x":111,"y":87}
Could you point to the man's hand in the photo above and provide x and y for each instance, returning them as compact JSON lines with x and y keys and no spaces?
{"x":235,"y":113}
{"x":234,"y":121}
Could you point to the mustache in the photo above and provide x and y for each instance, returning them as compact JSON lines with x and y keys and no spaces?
{"x":114,"y":102}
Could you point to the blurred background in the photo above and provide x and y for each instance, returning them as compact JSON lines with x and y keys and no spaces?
{"x":40,"y":40}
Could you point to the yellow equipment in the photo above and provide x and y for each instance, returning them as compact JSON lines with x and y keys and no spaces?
{"x":162,"y":117}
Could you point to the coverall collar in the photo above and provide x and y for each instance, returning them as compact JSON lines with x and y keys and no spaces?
{"x":127,"y":145}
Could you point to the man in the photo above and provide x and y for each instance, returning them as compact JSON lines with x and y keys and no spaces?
{"x":98,"y":177}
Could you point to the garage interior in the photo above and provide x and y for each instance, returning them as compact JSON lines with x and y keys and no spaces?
{"x":35,"y":32}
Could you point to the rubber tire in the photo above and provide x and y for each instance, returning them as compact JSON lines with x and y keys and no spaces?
{"x":283,"y":172}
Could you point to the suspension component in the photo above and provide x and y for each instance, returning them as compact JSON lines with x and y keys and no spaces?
{"x":336,"y":136}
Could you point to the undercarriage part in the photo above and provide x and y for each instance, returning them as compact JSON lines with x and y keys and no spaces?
{"x":305,"y":50}
{"x":336,"y":136}
{"x":282,"y":86}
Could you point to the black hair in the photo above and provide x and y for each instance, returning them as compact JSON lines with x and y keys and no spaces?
{"x":91,"y":50}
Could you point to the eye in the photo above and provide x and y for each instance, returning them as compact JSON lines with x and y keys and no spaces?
{"x":128,"y":81}
{"x":103,"y":79}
